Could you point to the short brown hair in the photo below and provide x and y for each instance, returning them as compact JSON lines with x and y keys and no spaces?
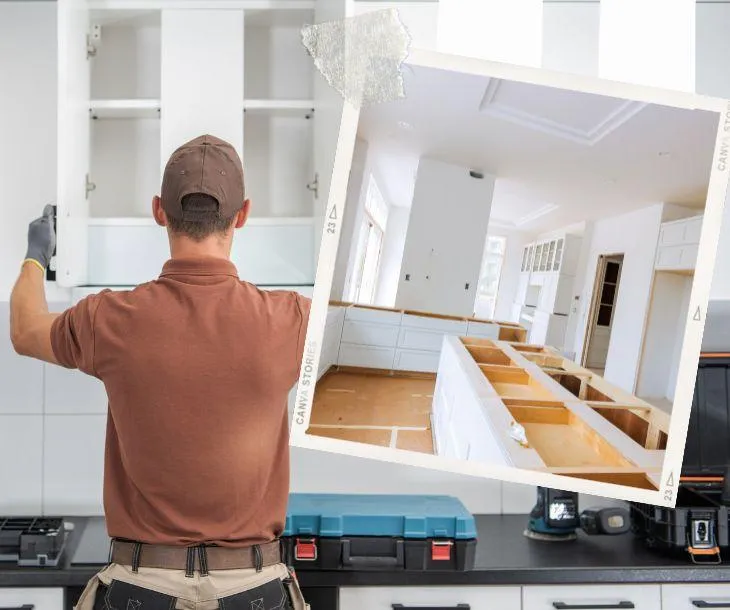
{"x":207,"y":222}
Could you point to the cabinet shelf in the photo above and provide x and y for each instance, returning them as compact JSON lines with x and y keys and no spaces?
{"x":304,"y":108}
{"x":124,"y":109}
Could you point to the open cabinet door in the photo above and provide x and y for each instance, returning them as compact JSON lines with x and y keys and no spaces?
{"x":73,"y":143}
{"x":328,"y":113}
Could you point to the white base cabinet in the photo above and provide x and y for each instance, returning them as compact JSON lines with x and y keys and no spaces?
{"x":385,"y":598}
{"x":37,"y":598}
{"x":692,"y":597}
{"x":567,"y":597}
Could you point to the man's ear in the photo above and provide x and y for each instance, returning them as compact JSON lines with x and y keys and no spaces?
{"x":242,"y":214}
{"x":158,"y":212}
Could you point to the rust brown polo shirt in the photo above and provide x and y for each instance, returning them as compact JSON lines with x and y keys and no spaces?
{"x":197,"y":367}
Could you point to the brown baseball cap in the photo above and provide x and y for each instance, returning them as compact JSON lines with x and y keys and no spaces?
{"x":205,"y":165}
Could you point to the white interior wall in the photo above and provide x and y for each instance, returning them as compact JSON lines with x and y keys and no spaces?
{"x":684,"y":294}
{"x":663,"y":338}
{"x":634,"y":235}
{"x":511,"y":269}
{"x":346,"y":246}
{"x":443,"y":253}
{"x":392,"y":256}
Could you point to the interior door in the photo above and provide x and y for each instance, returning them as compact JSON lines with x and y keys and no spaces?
{"x":601,"y":332}
{"x":328,"y":113}
{"x":73,"y":143}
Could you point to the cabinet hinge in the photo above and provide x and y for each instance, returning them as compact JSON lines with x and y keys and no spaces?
{"x":90,"y":186}
{"x":93,"y":38}
{"x":314,"y":186}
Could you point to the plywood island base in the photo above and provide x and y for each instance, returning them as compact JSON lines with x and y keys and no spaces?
{"x":376,"y":407}
{"x":527,"y":406}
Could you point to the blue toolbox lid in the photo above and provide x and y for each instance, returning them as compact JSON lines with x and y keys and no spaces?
{"x":420,"y":517}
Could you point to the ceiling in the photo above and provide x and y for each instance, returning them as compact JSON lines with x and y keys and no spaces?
{"x":560,"y":156}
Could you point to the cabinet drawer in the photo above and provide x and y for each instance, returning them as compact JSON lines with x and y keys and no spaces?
{"x":588,"y":597}
{"x":446,"y":598}
{"x":40,"y":598}
{"x":416,"y":360}
{"x":483,"y":330}
{"x":412,"y":338}
{"x":365,"y":333}
{"x":695,"y":597}
{"x":373,"y":315}
{"x":366,"y":356}
{"x":454,"y":327}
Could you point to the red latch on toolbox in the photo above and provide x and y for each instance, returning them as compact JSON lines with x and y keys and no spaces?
{"x":441,"y":551}
{"x":305,"y":549}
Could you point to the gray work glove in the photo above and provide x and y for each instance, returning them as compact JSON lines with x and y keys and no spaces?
{"x":42,"y":238}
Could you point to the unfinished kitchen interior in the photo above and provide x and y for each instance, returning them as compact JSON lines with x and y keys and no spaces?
{"x":513,"y":276}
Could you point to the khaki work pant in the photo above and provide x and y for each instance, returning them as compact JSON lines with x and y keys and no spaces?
{"x":273,"y":588}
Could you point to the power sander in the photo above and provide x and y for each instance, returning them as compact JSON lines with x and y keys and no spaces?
{"x":555,"y":517}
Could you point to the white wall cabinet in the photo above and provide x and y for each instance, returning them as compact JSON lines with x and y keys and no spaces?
{"x":545,"y":288}
{"x":678,"y":244}
{"x":384,"y":598}
{"x":124,"y":103}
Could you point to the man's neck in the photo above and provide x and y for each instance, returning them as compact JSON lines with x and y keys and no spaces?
{"x":213,"y":247}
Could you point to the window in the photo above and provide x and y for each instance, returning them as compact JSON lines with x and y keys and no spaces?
{"x":490,"y":275}
{"x":369,"y":246}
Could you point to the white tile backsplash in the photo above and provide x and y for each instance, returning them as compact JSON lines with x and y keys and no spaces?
{"x":73,"y":392}
{"x":518,"y":498}
{"x":73,"y":464}
{"x":21,"y":464}
{"x":22,"y":378}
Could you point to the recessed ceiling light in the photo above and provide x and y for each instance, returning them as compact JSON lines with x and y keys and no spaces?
{"x":404,"y":125}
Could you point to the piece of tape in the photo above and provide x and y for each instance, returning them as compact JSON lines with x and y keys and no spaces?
{"x":361,"y":57}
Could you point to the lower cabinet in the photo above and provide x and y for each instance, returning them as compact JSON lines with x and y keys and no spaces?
{"x":592,"y":597}
{"x":37,"y":598}
{"x":438,"y":598}
{"x":694,"y":597}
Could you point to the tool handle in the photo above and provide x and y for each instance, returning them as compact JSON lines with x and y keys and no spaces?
{"x":564,"y":606}
{"x":456,"y":607}
{"x":372,"y":562}
{"x":701,"y":603}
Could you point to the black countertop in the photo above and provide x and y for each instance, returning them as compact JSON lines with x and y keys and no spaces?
{"x":504,"y":557}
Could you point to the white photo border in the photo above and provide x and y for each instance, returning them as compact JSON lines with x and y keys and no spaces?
{"x":668,"y":481}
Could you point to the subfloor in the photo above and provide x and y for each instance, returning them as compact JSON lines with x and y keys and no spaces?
{"x":376,"y":409}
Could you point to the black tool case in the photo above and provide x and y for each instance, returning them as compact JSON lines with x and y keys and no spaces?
{"x":698,"y":525}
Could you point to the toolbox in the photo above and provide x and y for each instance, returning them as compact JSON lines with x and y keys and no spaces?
{"x":378,"y":532}
{"x":698,"y":525}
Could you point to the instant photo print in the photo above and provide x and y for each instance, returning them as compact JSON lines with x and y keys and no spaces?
{"x":513,"y":279}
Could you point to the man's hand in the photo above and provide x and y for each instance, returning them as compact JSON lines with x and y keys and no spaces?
{"x":41,"y":239}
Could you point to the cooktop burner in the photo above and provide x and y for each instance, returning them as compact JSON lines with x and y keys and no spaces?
{"x":32,"y":541}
